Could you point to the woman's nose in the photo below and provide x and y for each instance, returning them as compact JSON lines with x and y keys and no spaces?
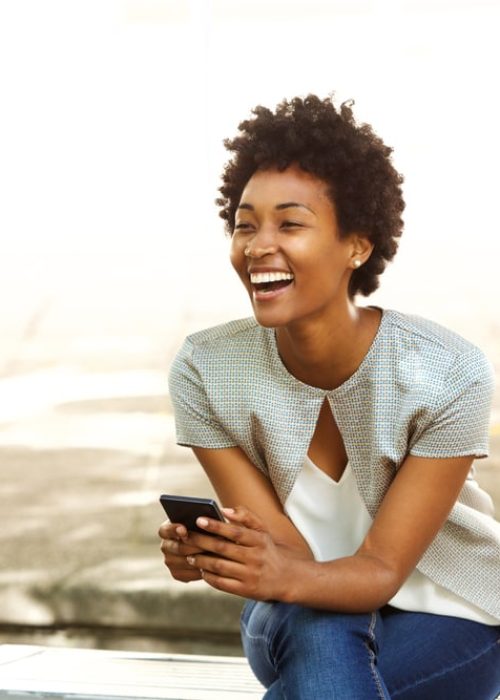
{"x":262,"y":243}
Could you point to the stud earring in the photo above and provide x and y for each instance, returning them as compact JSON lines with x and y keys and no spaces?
{"x":357,"y":263}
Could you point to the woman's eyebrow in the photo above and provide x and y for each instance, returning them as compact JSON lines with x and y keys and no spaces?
{"x":289,"y":205}
{"x":278,"y":207}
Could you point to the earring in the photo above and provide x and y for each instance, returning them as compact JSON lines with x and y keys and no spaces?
{"x":357,"y":263}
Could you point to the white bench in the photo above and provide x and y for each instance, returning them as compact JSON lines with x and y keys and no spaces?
{"x":87,"y":674}
{"x":83,"y":674}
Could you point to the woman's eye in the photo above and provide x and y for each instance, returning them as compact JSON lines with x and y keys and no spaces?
{"x":290,"y":224}
{"x":242,"y":226}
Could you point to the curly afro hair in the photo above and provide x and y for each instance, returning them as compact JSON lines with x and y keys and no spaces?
{"x":363,"y":184}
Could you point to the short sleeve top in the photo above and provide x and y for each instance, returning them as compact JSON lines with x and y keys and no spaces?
{"x":421,"y":389}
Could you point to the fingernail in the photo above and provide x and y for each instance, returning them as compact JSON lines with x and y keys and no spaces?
{"x":229,"y":511}
{"x":190,"y":560}
{"x":202,"y":522}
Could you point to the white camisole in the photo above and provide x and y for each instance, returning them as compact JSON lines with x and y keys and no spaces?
{"x":333,"y":519}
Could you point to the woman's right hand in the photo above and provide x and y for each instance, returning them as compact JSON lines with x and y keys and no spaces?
{"x":175,"y":550}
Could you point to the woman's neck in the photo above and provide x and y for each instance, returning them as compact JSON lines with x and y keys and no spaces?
{"x":323,"y":354}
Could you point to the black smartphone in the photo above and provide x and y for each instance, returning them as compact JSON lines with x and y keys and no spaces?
{"x":185,"y":510}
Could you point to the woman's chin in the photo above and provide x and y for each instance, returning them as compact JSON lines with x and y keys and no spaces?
{"x":268,"y":319}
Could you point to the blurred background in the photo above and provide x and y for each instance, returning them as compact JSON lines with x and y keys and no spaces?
{"x":112,"y":116}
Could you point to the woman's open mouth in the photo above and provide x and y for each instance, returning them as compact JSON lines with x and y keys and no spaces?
{"x":267,"y":284}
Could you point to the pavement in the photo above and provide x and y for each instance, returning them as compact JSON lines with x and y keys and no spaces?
{"x":86,"y":447}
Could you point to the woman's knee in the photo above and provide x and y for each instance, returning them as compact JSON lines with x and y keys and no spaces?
{"x":302,"y":649}
{"x":330,"y":629}
{"x":299,"y":626}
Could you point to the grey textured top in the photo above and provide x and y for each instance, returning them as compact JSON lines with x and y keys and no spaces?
{"x":421,"y":389}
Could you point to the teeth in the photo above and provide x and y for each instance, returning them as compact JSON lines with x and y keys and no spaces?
{"x":263,"y":277}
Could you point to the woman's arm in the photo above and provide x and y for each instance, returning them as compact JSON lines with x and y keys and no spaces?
{"x":413,"y":511}
{"x":235,"y":480}
{"x":238,"y":482}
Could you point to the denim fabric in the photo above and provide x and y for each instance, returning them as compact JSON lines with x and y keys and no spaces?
{"x":304,"y":654}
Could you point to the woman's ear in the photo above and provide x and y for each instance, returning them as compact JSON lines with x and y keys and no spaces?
{"x":361,"y":249}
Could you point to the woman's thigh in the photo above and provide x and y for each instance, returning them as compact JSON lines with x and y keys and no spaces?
{"x":393,"y":654}
{"x":303,"y":654}
{"x":425,"y":657}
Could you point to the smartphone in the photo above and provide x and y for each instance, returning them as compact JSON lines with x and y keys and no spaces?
{"x":185,"y":510}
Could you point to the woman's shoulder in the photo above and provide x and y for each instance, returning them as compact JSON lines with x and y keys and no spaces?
{"x":225,"y":345}
{"x":442,"y":347}
{"x":425,"y":332}
{"x":224,"y":333}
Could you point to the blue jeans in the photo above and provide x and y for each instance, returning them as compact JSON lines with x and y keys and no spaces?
{"x":302,"y":654}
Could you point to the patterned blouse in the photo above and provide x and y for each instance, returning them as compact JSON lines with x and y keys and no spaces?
{"x":421,"y":390}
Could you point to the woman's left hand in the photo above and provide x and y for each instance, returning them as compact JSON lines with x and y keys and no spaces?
{"x":242,"y":558}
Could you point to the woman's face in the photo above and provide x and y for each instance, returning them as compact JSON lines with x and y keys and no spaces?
{"x":287,"y":250}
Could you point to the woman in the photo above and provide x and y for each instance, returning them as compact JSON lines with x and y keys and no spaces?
{"x":341,"y":437}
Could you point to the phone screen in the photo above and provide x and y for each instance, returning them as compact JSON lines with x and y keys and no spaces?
{"x":185,"y":510}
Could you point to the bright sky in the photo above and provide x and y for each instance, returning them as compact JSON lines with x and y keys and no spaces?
{"x":111,"y":126}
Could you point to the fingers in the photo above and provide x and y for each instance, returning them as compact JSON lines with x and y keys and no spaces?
{"x":175,"y":540}
{"x":170,"y":530}
{"x":240,"y":518}
{"x":244,"y":528}
{"x":185,"y":573}
{"x":232,"y":541}
{"x":175,"y":550}
{"x":178,"y":549}
{"x":245,"y":517}
{"x":178,"y":565}
{"x":186,"y":553}
{"x":212,"y":568}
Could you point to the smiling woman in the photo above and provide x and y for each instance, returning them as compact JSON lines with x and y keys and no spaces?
{"x":339,"y":437}
{"x":274,"y":236}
